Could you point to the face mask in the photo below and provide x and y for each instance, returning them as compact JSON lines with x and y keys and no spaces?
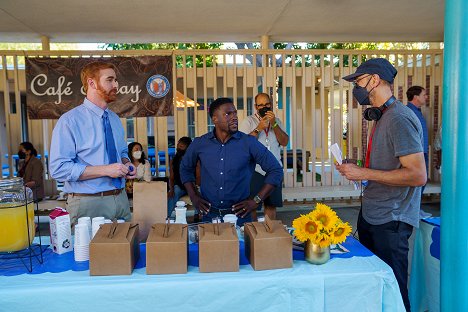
{"x":137,"y":154}
{"x":262,"y":111}
{"x":21,"y":155}
{"x":361,"y":95}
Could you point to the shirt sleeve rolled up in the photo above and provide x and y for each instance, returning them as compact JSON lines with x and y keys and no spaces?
{"x":63,"y":153}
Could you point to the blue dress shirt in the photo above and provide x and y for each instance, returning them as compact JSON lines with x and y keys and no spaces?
{"x":420,"y":116}
{"x":78,"y":141}
{"x":227,"y":168}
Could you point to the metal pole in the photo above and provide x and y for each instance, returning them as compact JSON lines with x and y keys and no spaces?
{"x":454,"y":212}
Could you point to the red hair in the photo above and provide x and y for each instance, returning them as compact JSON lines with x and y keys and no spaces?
{"x":92,"y":69}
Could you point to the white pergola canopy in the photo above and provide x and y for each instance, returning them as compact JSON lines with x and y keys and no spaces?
{"x":138,"y":21}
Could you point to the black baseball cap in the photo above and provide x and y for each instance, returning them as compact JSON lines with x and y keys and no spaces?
{"x":379,"y":66}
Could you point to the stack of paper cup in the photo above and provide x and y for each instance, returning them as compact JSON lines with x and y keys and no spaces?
{"x":82,"y":239}
{"x":230,"y":218}
{"x":97,"y":221}
{"x":87,"y":221}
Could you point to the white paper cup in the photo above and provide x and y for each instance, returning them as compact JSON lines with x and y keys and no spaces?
{"x":230,"y":218}
{"x":107,"y":221}
{"x":98,"y":219}
{"x":82,"y":234}
{"x":87,"y":221}
{"x":81,"y":255}
{"x":81,"y":252}
{"x":96,"y":225}
{"x":120,"y":221}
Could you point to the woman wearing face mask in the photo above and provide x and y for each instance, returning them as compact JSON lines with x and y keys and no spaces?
{"x":31,"y":170}
{"x":176,"y":188}
{"x":142,"y":165}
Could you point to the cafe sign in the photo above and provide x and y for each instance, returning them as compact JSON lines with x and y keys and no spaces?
{"x":145,"y":86}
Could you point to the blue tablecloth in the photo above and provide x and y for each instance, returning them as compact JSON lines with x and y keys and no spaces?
{"x":350,"y":282}
{"x":424,"y":290}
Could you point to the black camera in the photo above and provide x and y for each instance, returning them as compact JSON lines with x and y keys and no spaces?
{"x":262,"y":111}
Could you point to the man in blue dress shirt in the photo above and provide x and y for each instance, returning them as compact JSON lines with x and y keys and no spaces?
{"x":227,"y":160}
{"x":417,"y":98}
{"x":89,"y":152}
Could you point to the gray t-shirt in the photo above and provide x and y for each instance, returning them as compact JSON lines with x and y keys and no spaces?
{"x":398,"y":133}
{"x":267,"y":138}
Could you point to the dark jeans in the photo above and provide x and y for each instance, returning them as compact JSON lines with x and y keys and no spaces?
{"x":389,"y":242}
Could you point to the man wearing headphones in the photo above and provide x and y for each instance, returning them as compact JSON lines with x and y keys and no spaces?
{"x":395,"y":169}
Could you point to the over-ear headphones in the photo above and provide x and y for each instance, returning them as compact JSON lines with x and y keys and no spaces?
{"x":375,"y":113}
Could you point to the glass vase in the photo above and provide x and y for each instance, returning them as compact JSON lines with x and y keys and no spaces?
{"x":315,"y":254}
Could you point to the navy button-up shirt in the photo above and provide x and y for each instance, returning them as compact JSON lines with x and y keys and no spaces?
{"x":420,"y":116}
{"x":227,"y":168}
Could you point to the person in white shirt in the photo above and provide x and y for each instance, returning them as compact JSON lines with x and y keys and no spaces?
{"x":142,"y":165}
{"x":270,"y":132}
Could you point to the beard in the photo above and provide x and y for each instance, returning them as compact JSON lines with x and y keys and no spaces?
{"x":108,"y":97}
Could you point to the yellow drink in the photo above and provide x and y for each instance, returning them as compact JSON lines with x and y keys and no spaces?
{"x":13,"y":226}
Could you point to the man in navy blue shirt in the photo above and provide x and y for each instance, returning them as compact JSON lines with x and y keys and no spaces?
{"x":227,"y":159}
{"x":417,"y":98}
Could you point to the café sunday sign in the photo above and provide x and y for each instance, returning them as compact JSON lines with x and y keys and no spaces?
{"x":54,"y":86}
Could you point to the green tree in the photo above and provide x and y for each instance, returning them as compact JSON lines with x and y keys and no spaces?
{"x":189,"y":61}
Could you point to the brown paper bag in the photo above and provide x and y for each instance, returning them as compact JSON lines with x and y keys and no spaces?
{"x":149,"y":205}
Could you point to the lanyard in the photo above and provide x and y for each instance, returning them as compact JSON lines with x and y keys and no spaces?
{"x":369,"y":146}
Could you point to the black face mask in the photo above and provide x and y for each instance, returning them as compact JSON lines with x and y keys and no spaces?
{"x":21,"y":155}
{"x":262,"y":111}
{"x":361,"y":95}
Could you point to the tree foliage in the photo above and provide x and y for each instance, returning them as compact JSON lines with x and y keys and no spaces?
{"x":189,"y":61}
{"x":308,"y":60}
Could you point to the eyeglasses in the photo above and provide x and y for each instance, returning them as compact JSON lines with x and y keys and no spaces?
{"x":355,"y":82}
{"x":263,"y":105}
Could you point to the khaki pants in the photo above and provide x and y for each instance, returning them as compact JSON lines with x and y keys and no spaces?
{"x":110,"y":207}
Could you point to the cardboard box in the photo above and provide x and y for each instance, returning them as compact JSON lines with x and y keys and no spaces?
{"x":149,"y":205}
{"x":166,"y":249}
{"x":114,"y":249}
{"x":218,"y":247}
{"x":268,"y":245}
{"x":60,"y":231}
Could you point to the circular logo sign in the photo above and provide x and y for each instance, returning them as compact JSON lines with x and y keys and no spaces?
{"x":158,"y":86}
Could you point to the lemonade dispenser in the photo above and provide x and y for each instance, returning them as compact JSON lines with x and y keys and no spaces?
{"x":16,"y":215}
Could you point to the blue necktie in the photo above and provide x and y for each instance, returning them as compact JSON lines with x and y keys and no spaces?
{"x":110,"y":146}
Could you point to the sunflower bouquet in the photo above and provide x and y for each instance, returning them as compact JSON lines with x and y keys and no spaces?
{"x":321,"y":226}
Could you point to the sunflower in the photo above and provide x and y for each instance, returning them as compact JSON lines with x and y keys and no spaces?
{"x":341,"y":231}
{"x":325,"y":215}
{"x":299,"y":225}
{"x":323,"y":240}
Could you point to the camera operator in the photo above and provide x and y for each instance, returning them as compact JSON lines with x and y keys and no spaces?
{"x":269,"y":131}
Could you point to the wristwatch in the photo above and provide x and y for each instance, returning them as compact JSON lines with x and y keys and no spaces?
{"x":256,"y":131}
{"x":257,"y":199}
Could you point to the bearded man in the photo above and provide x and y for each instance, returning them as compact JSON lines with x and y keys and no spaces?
{"x":89,"y":153}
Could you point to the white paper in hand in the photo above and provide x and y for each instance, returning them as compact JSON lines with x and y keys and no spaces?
{"x":336,"y":152}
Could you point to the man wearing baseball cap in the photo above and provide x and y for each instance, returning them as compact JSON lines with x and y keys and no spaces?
{"x":394,"y":168}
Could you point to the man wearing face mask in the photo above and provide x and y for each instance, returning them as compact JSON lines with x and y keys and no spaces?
{"x":89,"y":152}
{"x":394,"y":168}
{"x":268,"y":130}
